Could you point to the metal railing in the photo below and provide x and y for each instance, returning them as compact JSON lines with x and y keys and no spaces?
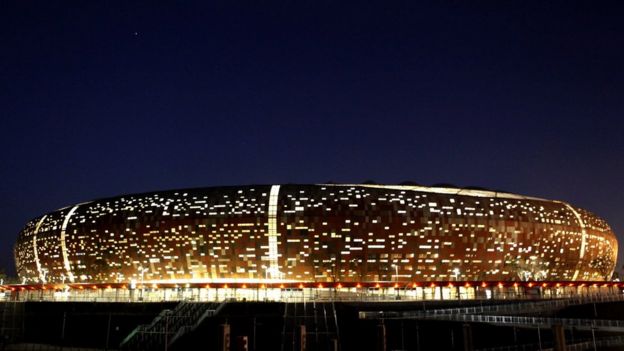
{"x":167,"y":325}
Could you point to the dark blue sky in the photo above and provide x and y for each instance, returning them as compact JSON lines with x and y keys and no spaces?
{"x":100,"y":98}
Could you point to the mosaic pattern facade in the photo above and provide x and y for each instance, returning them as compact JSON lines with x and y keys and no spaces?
{"x":316,"y":233}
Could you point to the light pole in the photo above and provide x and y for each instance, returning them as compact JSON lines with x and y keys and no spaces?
{"x":396,"y":272}
{"x":456,"y":273}
{"x":142,"y":270}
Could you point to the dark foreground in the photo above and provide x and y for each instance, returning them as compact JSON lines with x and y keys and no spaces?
{"x":278,"y":326}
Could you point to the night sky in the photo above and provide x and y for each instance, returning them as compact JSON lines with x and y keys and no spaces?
{"x":102,"y":98}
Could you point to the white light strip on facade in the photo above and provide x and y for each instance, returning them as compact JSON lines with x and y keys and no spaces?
{"x":35,"y":253}
{"x":70,"y":275}
{"x":583,"y":237}
{"x":443,"y":190}
{"x":273,"y":262}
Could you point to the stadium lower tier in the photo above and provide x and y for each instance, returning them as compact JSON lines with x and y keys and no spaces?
{"x":298,"y":292}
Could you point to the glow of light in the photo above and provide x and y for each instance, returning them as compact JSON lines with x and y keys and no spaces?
{"x":70,"y":275}
{"x":583,"y":237}
{"x":35,"y":253}
{"x":272,"y":232}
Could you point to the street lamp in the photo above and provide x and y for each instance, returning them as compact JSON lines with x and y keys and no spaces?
{"x":456,"y":273}
{"x":142,"y":270}
{"x":396,"y":272}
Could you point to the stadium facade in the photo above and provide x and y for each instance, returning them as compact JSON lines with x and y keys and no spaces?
{"x":316,"y":233}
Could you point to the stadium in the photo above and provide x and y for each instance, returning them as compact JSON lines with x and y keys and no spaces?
{"x":316,"y":233}
{"x":320,"y":266}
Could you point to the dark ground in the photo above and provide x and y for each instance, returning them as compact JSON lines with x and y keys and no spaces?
{"x":96,"y":325}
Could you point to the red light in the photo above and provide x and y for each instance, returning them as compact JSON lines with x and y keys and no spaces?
{"x":320,"y":286}
{"x":300,"y":286}
{"x":530,"y":285}
{"x":467,"y":285}
{"x":483,"y":284}
{"x":515,"y":285}
{"x":433,"y":285}
{"x":544,"y":284}
{"x":377,"y":285}
{"x":396,"y":285}
{"x":339,"y":286}
{"x":281,"y":286}
{"x":450,"y":285}
{"x":244,"y":286}
{"x":358,"y":285}
{"x":414,"y":285}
